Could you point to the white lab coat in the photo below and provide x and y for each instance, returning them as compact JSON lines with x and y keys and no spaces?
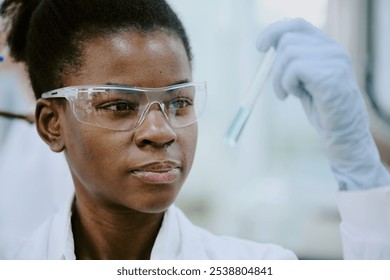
{"x":178,"y":238}
{"x":365,"y":233}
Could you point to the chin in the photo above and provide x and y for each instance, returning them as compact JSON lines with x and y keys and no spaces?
{"x":157,"y":206}
{"x":153,"y":204}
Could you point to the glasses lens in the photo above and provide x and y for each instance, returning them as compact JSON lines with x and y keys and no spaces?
{"x":117,"y":109}
{"x":184,"y":105}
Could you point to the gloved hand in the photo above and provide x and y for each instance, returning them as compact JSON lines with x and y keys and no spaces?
{"x":314,"y":68}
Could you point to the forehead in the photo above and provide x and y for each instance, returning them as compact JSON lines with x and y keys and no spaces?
{"x":148,"y":60}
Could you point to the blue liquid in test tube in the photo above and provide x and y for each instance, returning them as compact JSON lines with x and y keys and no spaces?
{"x":246,"y":106}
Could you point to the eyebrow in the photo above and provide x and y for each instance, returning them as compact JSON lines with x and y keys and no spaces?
{"x":127,"y":85}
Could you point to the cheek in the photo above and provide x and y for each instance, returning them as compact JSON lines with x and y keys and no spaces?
{"x":86,"y":148}
{"x":190,"y":136}
{"x":96,"y":160}
{"x":82,"y":149}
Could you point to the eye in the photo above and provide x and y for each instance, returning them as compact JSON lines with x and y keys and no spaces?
{"x":180,"y":103}
{"x":119,"y":106}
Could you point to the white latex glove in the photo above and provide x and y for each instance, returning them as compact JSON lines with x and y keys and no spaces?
{"x":314,"y":68}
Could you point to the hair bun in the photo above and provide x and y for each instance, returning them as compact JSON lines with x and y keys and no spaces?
{"x":17,"y":15}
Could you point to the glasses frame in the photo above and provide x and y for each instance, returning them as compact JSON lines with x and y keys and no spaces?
{"x":71,"y":92}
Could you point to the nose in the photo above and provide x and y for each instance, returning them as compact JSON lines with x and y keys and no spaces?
{"x":155,"y":130}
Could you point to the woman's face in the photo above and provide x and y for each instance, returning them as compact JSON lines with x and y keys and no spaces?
{"x":142,"y":169}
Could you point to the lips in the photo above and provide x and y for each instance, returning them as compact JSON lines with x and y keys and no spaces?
{"x":158,"y":172}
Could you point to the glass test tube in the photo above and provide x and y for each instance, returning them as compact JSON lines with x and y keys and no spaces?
{"x":245,"y":109}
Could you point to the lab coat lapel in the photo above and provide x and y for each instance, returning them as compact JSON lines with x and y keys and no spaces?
{"x":177,"y":238}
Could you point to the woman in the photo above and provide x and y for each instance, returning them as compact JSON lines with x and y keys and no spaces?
{"x":115,"y":93}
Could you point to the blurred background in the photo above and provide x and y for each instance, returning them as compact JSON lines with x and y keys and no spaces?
{"x":275,"y":185}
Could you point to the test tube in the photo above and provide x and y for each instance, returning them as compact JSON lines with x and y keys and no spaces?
{"x":246,"y":106}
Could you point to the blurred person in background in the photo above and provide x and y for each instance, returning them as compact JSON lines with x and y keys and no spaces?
{"x":28,"y":192}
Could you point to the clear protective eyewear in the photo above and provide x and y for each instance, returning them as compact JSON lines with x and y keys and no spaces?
{"x":125,"y":108}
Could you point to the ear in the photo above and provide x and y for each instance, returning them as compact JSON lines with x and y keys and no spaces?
{"x":48,"y":124}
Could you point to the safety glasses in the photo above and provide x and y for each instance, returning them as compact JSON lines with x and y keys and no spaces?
{"x":125,"y":108}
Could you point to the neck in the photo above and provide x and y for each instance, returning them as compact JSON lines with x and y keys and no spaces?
{"x":113,"y":234}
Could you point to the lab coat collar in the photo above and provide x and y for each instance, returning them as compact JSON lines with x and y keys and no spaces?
{"x":174,"y":240}
{"x":177,"y":238}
